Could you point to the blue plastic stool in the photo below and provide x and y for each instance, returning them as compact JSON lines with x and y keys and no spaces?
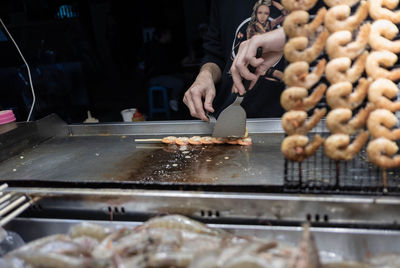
{"x":152,"y":107}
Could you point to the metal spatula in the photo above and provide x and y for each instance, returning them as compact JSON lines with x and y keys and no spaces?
{"x":231,"y":121}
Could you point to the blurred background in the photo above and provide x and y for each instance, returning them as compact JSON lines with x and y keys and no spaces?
{"x":101,"y":56}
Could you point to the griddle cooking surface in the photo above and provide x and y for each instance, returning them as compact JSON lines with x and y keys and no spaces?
{"x":119,"y":159}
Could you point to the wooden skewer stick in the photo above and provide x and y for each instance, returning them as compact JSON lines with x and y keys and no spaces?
{"x":148,"y":140}
{"x":384,"y":180}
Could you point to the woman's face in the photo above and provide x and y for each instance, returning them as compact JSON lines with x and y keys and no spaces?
{"x":262,"y":14}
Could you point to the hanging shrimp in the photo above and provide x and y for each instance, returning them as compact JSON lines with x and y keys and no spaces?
{"x":380,"y":93}
{"x":296,"y":74}
{"x":381,"y":152}
{"x":340,"y":120}
{"x":294,"y":122}
{"x":340,"y":44}
{"x":297,"y":147}
{"x":385,"y":58}
{"x":341,"y":95}
{"x":377,"y":11}
{"x":338,"y":147}
{"x":296,"y":98}
{"x":382,"y":33}
{"x":292,"y":5}
{"x":340,"y":69}
{"x":296,"y":23}
{"x":380,"y":122}
{"x":296,"y":49}
{"x":332,"y":3}
{"x":338,"y":17}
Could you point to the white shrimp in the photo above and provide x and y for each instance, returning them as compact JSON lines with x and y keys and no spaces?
{"x":297,"y":74}
{"x":377,"y":11}
{"x":382,"y":33}
{"x":381,"y":92}
{"x":340,"y":120}
{"x":380,"y":122}
{"x":340,"y":69}
{"x":294,"y":122}
{"x":296,"y":98}
{"x":296,"y":23}
{"x":292,"y":5}
{"x":376,"y":59}
{"x":332,"y":3}
{"x":341,"y":95}
{"x":340,"y":44}
{"x":338,"y":147}
{"x":297,"y":147}
{"x":338,"y":17}
{"x":382,"y":151}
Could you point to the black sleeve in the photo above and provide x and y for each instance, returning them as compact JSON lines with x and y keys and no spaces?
{"x":212,"y":44}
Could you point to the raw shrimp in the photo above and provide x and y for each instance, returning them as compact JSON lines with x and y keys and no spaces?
{"x":89,"y":229}
{"x":296,"y":49}
{"x":297,"y":147}
{"x":340,"y":120}
{"x":340,"y":69}
{"x":380,"y":93}
{"x":296,"y":98}
{"x":377,"y":11}
{"x":296,"y":23}
{"x":387,"y":59}
{"x":382,"y":34}
{"x":297,"y":75}
{"x":338,"y":17}
{"x":341,"y":95}
{"x":179,"y":222}
{"x":307,"y":254}
{"x":332,"y":3}
{"x":294,"y":122}
{"x":381,"y":152}
{"x":340,"y":44}
{"x":338,"y":147}
{"x":380,"y":122}
{"x":292,"y":5}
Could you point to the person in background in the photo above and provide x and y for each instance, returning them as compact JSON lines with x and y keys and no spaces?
{"x":163,"y":66}
{"x":227,"y":55}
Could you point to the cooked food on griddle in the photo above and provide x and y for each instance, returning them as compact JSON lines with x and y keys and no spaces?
{"x":342,"y":95}
{"x":382,"y":92}
{"x":340,"y":44}
{"x":295,"y":122}
{"x":297,"y":147}
{"x":341,"y":120}
{"x":382,"y":152}
{"x":297,"y":23}
{"x":339,"y":18}
{"x":381,"y":123}
{"x":338,"y":146}
{"x":300,"y":49}
{"x":197,"y":140}
{"x":297,"y":98}
{"x":340,"y":69}
{"x":297,"y":75}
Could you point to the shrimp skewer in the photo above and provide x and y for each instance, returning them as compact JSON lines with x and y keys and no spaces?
{"x":340,"y":69}
{"x":340,"y":44}
{"x":292,"y":5}
{"x":381,"y":152}
{"x":338,"y":17}
{"x":338,"y":147}
{"x":294,"y":122}
{"x":341,"y":95}
{"x":297,"y":147}
{"x":332,"y":3}
{"x":382,"y":32}
{"x":297,"y":48}
{"x":385,"y":58}
{"x":380,"y":122}
{"x":297,"y":75}
{"x":296,"y":98}
{"x":296,"y":23}
{"x":380,"y":93}
{"x":376,"y":11}
{"x":340,"y":120}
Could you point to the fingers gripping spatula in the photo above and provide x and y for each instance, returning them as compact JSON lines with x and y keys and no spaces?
{"x":231,"y":121}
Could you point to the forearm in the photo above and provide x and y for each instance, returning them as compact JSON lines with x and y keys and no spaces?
{"x":211,"y":69}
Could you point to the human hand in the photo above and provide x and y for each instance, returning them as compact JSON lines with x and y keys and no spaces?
{"x":272,"y":44}
{"x":203,"y":87}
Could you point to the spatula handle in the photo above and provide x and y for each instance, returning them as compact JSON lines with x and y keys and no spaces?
{"x":246,"y":83}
